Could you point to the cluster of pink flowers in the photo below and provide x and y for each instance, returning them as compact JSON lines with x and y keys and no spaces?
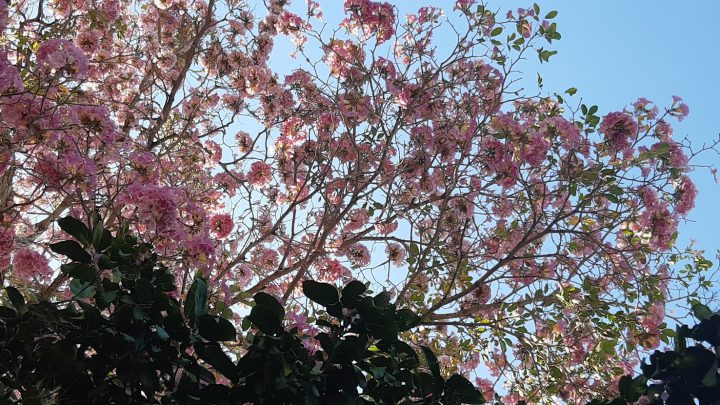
{"x":568,"y":132}
{"x":649,"y":334}
{"x":679,"y":109}
{"x":356,"y":220}
{"x":464,"y":5}
{"x":355,"y":106}
{"x":62,"y":56}
{"x":221,"y":225}
{"x":7,"y":243}
{"x":260,"y":174}
{"x":685,"y":196}
{"x":487,"y":389}
{"x":358,"y":254}
{"x":291,"y":24}
{"x":658,"y":220}
{"x":332,"y":270}
{"x":373,"y":18}
{"x":200,"y":247}
{"x":498,"y":160}
{"x":298,"y":320}
{"x":342,"y":57}
{"x":535,"y":150}
{"x":10,"y":81}
{"x":395,"y":253}
{"x":265,"y":258}
{"x":156,"y":205}
{"x":31,"y":265}
{"x":620,"y":130}
{"x":89,"y":41}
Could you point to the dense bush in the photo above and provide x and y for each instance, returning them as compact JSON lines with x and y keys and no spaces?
{"x":124,"y":338}
{"x":684,"y":376}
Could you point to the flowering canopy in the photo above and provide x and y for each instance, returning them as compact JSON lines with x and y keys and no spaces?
{"x":532,"y":235}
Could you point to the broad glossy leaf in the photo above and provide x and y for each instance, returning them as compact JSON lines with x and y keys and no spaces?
{"x":215,"y":328}
{"x":214,"y":355}
{"x":71,"y":250}
{"x":16,"y":298}
{"x":458,"y":391}
{"x":323,"y":293}
{"x":75,"y":228}
{"x":433,"y":365}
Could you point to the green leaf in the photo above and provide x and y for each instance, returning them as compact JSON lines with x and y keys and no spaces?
{"x":323,"y":293}
{"x":82,"y":272}
{"x":102,"y":238}
{"x":406,"y":319}
{"x":434,"y":366}
{"x":631,"y":389}
{"x":353,"y":289}
{"x":267,"y":314}
{"x":551,"y":15}
{"x":16,"y":298}
{"x":196,"y":299}
{"x":496,"y":31}
{"x":458,"y":390}
{"x":7,"y":313}
{"x":81,"y":289}
{"x":571,"y":91}
{"x":71,"y":250}
{"x":215,"y":328}
{"x":214,"y":355}
{"x":382,"y":300}
{"x":701,"y":311}
{"x":75,"y":228}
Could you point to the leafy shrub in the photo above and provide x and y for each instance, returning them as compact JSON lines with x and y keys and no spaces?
{"x":124,"y":338}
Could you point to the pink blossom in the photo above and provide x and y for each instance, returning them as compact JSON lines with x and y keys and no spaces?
{"x":370,"y":17}
{"x":568,"y":132}
{"x":482,"y":294}
{"x":89,"y":41}
{"x":679,"y":109}
{"x":359,"y":255}
{"x":619,"y":129}
{"x":243,"y":141}
{"x":396,"y":254}
{"x":486,"y":388}
{"x":7,"y":242}
{"x":535,"y":150}
{"x":354,"y":105}
{"x":4,"y":14}
{"x":342,"y":55}
{"x":685,"y":196}
{"x":260,"y":173}
{"x":464,"y":5}
{"x":356,"y":220}
{"x":332,"y":270}
{"x":29,"y":265}
{"x":201,"y":249}
{"x":265,"y":258}
{"x":10,"y":81}
{"x":63,"y":56}
{"x":386,"y":228}
{"x":221,"y":225}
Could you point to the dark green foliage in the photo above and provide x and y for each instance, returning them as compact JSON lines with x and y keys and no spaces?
{"x":685,"y":375}
{"x":125,"y":339}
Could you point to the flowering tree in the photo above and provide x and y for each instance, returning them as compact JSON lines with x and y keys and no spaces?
{"x":532,"y":234}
